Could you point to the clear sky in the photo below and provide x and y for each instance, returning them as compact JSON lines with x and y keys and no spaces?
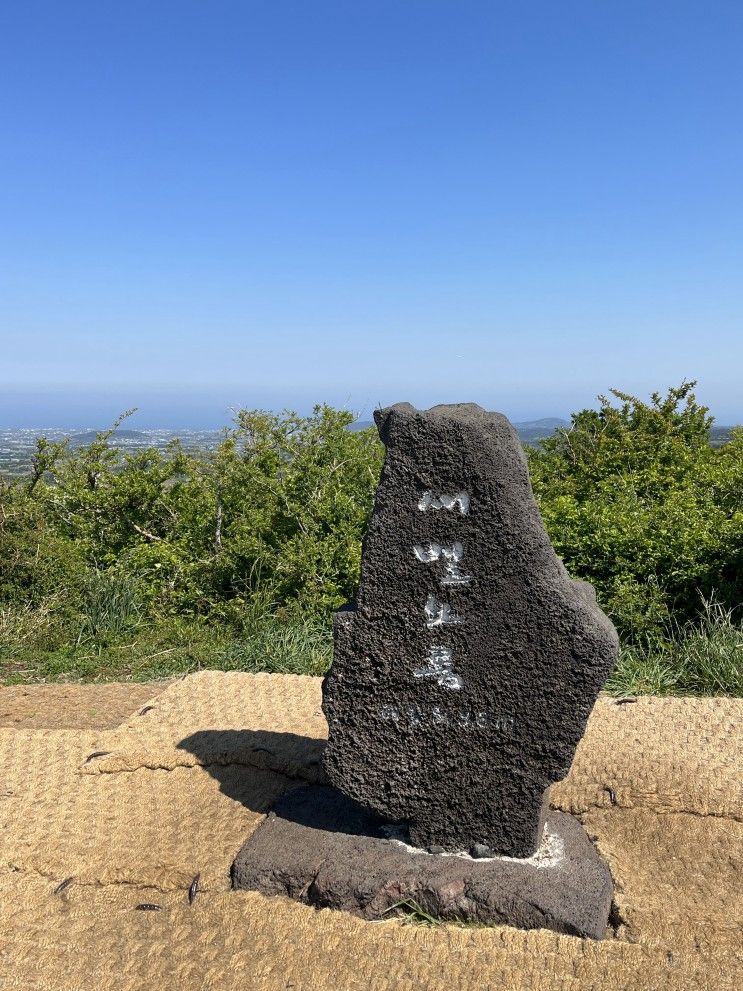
{"x":273,"y":203}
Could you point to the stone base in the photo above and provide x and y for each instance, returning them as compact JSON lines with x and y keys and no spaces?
{"x":322,"y":849}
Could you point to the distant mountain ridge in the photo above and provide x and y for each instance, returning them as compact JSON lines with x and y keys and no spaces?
{"x":529,"y":431}
{"x":89,"y":436}
{"x":17,"y":445}
{"x":546,"y":423}
{"x":526,"y":429}
{"x":532,"y":431}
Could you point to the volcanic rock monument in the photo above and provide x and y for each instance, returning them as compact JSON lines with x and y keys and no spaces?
{"x":461,"y":683}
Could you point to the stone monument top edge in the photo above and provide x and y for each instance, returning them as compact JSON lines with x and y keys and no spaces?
{"x":468,"y":414}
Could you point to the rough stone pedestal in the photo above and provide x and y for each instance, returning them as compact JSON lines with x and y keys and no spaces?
{"x":321,"y":848}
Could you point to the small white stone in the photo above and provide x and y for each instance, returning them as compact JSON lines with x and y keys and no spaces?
{"x":551,"y":852}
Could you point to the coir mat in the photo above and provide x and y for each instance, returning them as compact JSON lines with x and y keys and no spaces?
{"x":117,"y":844}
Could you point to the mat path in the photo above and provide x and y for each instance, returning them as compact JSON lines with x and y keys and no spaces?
{"x":184,"y":771}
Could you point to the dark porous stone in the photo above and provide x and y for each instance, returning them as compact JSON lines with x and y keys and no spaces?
{"x":463,"y":677}
{"x":320,"y":848}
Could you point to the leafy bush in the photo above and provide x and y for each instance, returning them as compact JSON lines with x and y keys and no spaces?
{"x":37,"y":561}
{"x":275,"y":514}
{"x":637,"y":503}
{"x":165,"y":561}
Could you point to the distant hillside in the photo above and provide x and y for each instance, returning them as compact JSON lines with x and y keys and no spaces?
{"x":17,"y":445}
{"x":720,"y":435}
{"x":530,"y":431}
{"x":77,"y":440}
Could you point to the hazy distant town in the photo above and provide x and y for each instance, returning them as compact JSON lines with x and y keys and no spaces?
{"x":17,"y":444}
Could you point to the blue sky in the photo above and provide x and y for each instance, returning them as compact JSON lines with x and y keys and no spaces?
{"x":207,"y":204}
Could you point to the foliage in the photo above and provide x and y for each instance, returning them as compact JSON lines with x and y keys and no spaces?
{"x":411,"y":912}
{"x":275,"y":512}
{"x":280,"y":648}
{"x":163,"y":647}
{"x":156,"y":562}
{"x":637,"y":503}
{"x":160,"y":562}
{"x":704,"y":657}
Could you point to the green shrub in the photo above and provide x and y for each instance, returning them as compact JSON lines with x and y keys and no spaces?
{"x":27,"y":626}
{"x":637,"y":503}
{"x":38,"y":562}
{"x":163,"y":562}
{"x":278,"y":509}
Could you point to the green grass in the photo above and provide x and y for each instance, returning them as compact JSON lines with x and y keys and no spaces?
{"x":113,"y":638}
{"x":164,"y":649}
{"x":702,"y":658}
{"x":410,"y":912}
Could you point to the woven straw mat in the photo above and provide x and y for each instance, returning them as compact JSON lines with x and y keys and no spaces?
{"x":177,"y":788}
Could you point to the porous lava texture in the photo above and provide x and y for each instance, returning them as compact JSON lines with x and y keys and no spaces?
{"x":320,"y":848}
{"x":463,"y":676}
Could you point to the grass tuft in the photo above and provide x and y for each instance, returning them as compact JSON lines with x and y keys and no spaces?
{"x":700,"y":658}
{"x":110,"y":608}
{"x":280,"y":648}
{"x":411,"y":912}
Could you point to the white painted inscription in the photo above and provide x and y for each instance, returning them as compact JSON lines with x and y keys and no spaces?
{"x":440,"y":667}
{"x":461,"y":500}
{"x":415,"y":716}
{"x":451,"y":556}
{"x":440,"y":613}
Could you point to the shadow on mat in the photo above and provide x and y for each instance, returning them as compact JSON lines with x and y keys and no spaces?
{"x":325,"y":808}
{"x":229,"y":755}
